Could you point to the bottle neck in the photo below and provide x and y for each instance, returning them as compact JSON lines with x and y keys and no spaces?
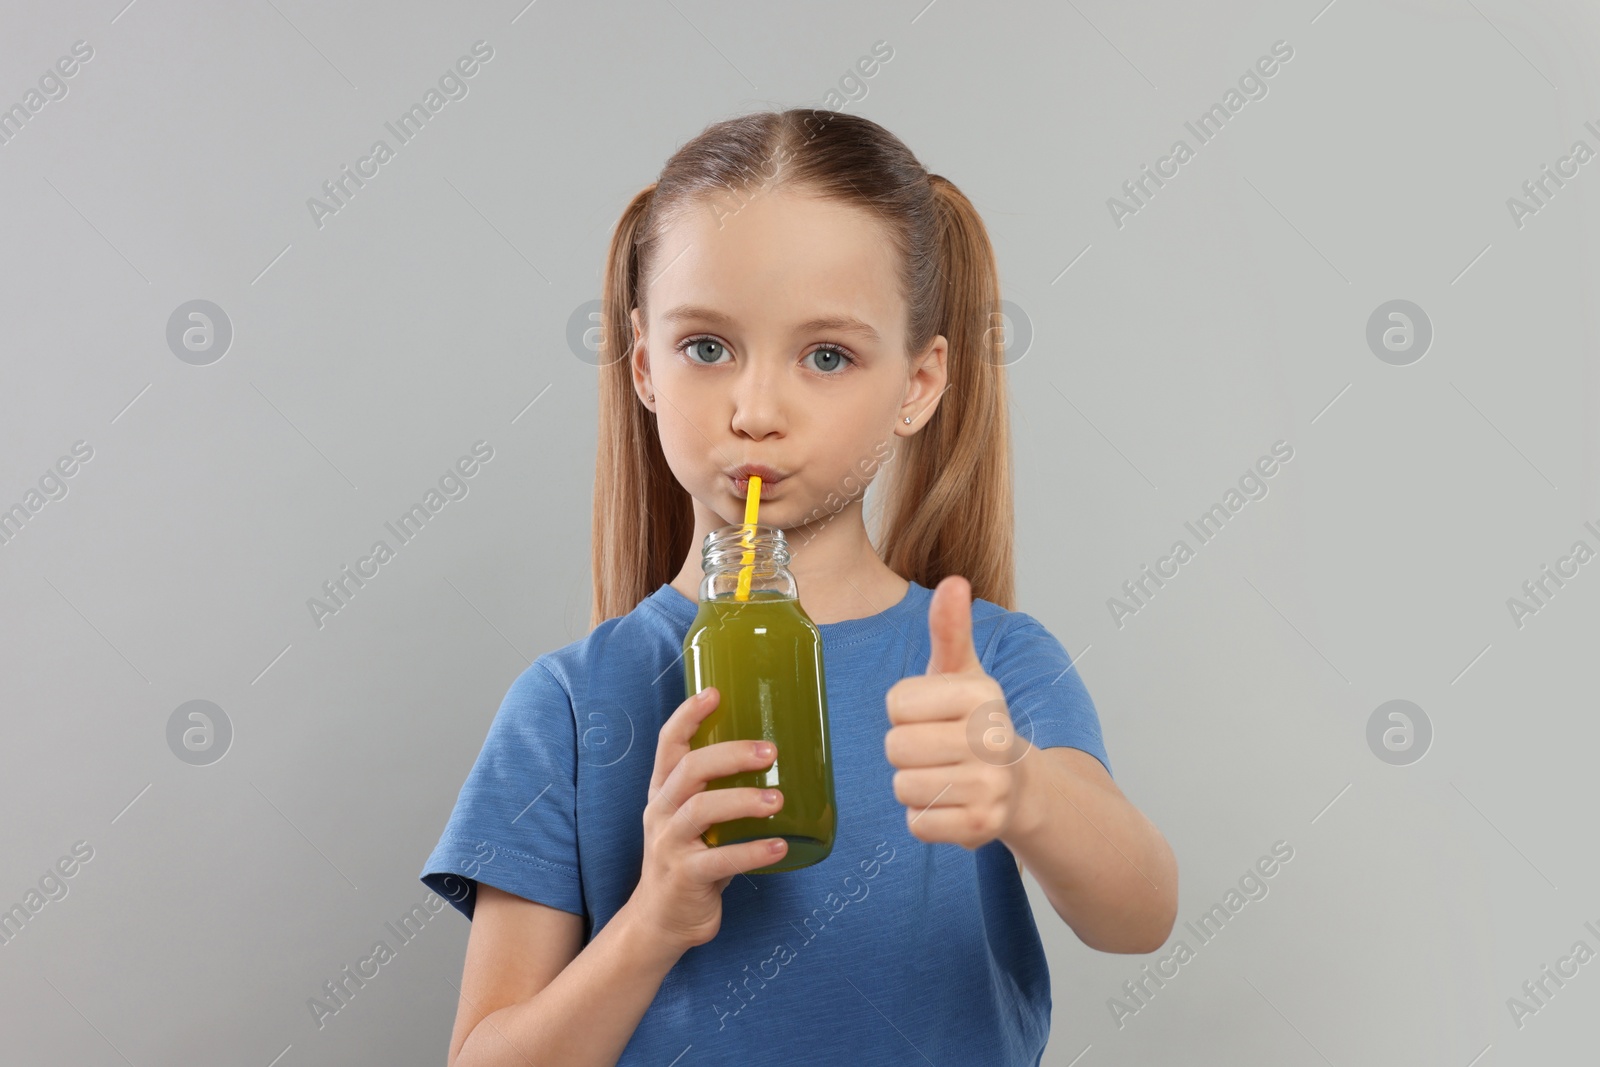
{"x":723,"y":559}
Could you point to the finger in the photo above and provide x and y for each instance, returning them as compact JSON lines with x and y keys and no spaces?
{"x":676,"y":733}
{"x":968,"y":827}
{"x":713,"y":806}
{"x":929,"y":698}
{"x":936,"y":787}
{"x":950,"y":628}
{"x":712,"y":864}
{"x":927,"y":744}
{"x":700,"y":766}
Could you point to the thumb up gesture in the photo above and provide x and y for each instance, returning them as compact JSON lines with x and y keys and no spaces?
{"x":957,"y":759}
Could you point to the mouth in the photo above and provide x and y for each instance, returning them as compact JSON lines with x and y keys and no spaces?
{"x":739,"y":479}
{"x":741,"y":487}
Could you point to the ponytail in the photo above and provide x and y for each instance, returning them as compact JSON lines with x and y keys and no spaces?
{"x":630,"y":559}
{"x":950,"y":507}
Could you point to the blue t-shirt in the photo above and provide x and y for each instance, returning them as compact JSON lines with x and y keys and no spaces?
{"x":889,"y":951}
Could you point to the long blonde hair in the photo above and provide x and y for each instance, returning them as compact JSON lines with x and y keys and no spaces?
{"x":947,"y":495}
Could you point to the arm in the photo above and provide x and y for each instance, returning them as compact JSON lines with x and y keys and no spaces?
{"x":1106,"y":869}
{"x":528,"y":995}
{"x":530,"y":986}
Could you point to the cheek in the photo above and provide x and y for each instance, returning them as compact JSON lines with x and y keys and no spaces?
{"x":855,"y":438}
{"x":679,"y":442}
{"x":683,"y":429}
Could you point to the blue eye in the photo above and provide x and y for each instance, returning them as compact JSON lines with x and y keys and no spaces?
{"x":697,"y":347}
{"x":693,"y":345}
{"x":840,"y":359}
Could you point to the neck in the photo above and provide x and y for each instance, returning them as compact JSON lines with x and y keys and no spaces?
{"x":839,"y":573}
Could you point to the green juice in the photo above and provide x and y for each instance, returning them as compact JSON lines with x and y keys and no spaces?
{"x":764,"y":655}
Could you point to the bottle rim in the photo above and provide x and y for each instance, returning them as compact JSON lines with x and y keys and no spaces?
{"x":725,"y":545}
{"x":735,"y":531}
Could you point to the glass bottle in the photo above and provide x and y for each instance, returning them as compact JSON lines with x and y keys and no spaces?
{"x":764,"y":655}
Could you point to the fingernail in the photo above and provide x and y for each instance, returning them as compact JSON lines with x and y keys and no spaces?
{"x":776,"y":845}
{"x":764,"y":749}
{"x":769,"y":796}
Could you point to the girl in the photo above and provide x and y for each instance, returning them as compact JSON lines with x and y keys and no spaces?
{"x":798,"y":294}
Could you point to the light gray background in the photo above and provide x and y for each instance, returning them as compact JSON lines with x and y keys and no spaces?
{"x":370,"y":354}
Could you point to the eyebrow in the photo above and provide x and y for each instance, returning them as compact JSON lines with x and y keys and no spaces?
{"x":837,"y":322}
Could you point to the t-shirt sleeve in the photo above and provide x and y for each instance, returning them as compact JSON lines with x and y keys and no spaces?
{"x":1047,"y":700}
{"x":515,"y":821}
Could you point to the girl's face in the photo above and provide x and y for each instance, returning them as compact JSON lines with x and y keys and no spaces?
{"x":776,"y":336}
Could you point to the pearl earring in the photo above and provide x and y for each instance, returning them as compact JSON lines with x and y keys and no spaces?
{"x":908,"y":420}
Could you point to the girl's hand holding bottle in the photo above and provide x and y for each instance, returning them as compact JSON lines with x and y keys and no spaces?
{"x":680,"y":885}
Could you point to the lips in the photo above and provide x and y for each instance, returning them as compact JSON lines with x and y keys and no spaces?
{"x":740,"y":477}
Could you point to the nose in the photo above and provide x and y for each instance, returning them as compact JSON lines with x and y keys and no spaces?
{"x":758,"y":399}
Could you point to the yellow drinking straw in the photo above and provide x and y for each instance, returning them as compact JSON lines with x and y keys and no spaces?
{"x":752,"y":504}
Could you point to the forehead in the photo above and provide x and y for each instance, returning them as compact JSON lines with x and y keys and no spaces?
{"x":779,"y":258}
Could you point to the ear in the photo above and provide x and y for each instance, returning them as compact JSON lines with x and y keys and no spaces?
{"x":927,"y":382}
{"x":639,"y":358}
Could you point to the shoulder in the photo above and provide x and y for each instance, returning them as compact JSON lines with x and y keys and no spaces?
{"x":1046,"y":697}
{"x":538,"y":718}
{"x":1028,"y":661}
{"x":610,"y":645}
{"x":1003,"y":636}
{"x":606,"y":664}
